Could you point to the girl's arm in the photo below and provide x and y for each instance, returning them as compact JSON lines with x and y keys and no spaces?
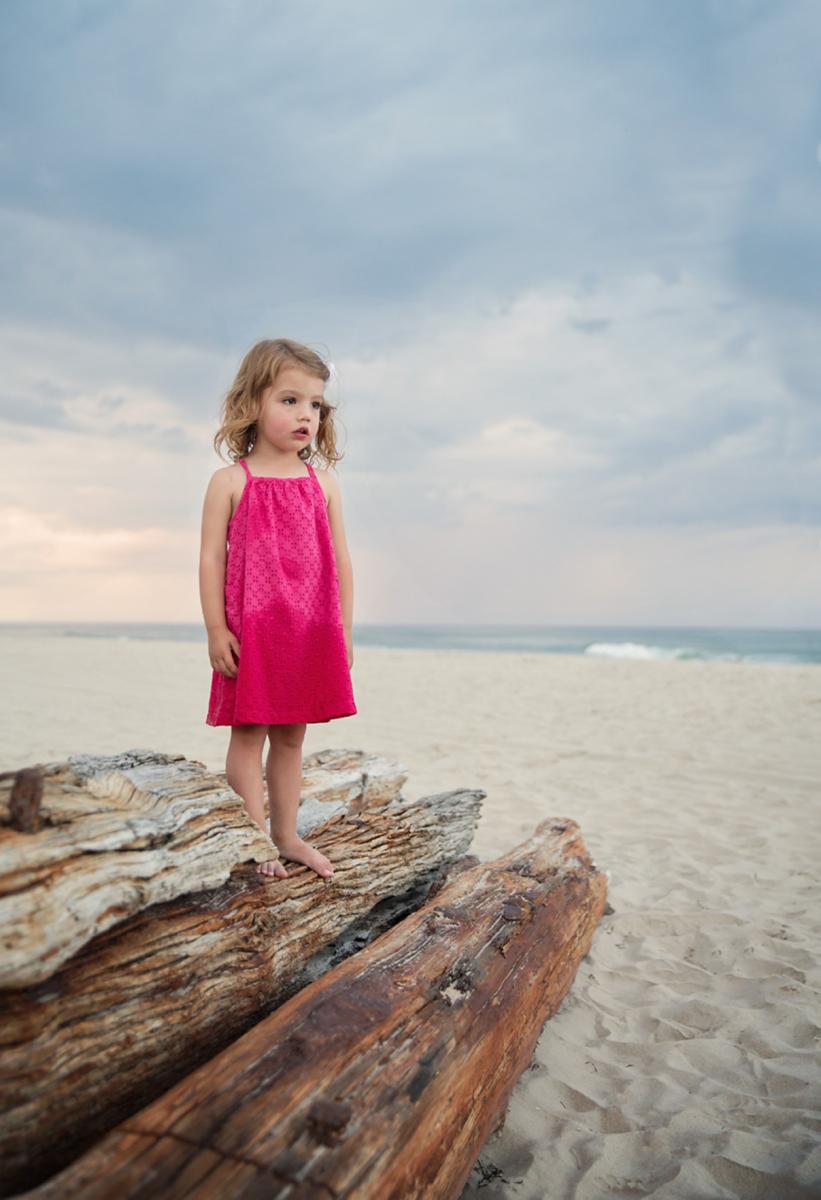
{"x":216,"y":511}
{"x":343,"y":559}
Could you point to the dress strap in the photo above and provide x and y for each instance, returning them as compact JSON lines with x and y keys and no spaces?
{"x":245,"y":468}
{"x":310,"y":468}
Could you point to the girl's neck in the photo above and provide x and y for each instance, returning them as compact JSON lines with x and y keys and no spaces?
{"x":278,"y":465}
{"x":273,"y":459}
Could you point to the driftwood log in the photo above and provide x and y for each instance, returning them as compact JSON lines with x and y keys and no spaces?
{"x":141,"y":1002}
{"x":383,"y":1078}
{"x":88,"y":842}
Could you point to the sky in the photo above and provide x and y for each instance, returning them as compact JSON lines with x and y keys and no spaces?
{"x":565,"y":257}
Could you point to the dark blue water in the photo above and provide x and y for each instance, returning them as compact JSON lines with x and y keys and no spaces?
{"x":637,"y":642}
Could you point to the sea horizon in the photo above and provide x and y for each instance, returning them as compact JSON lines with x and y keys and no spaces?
{"x":651,"y":642}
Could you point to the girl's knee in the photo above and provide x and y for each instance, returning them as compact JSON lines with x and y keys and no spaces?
{"x":248,"y":735}
{"x":287,"y":735}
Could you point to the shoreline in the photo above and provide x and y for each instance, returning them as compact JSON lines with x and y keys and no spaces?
{"x":781,"y":646}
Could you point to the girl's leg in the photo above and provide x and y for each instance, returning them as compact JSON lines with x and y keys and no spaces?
{"x":283,"y":774}
{"x":243,"y":771}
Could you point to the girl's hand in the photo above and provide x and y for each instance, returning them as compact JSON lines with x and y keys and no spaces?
{"x":349,"y":647}
{"x":223,"y":648}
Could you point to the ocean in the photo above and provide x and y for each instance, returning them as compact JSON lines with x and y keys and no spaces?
{"x":611,"y":641}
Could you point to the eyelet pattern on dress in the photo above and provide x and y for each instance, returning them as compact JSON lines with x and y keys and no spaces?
{"x":282,"y":603}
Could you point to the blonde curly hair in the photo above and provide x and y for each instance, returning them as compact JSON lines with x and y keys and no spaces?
{"x":258,"y":370}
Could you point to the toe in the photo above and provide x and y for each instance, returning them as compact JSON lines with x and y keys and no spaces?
{"x":271,"y":869}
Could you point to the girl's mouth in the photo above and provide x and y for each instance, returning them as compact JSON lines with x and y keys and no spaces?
{"x":303,"y":433}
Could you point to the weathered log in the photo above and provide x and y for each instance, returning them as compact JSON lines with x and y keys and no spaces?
{"x":88,"y":842}
{"x":384,"y":1077}
{"x":339,"y":781}
{"x":142,"y":1003}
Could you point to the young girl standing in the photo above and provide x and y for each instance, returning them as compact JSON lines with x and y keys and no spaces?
{"x":278,"y":598}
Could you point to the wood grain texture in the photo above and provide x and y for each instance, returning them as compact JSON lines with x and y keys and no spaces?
{"x":88,"y":842}
{"x":382,"y":1080}
{"x":145,"y":1001}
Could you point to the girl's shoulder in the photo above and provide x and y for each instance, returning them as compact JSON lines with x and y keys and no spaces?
{"x":329,"y":482}
{"x":230,"y":481}
{"x":232,"y":471}
{"x":322,"y":478}
{"x":226,"y":480}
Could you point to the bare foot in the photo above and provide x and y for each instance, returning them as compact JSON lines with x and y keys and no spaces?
{"x":299,"y":851}
{"x":272,"y":867}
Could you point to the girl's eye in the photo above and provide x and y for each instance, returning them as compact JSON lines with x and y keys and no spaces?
{"x":290,"y":399}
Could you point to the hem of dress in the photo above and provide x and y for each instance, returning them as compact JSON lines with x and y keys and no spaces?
{"x":288,"y":721}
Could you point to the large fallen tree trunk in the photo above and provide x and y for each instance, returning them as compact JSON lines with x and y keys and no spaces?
{"x":384,"y":1077}
{"x":142,"y":1003}
{"x":88,"y":842}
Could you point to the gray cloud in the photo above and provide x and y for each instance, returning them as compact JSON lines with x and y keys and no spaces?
{"x":590,"y":225}
{"x":192,"y":172}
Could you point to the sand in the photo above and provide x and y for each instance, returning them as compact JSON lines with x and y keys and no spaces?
{"x":684,"y":1062}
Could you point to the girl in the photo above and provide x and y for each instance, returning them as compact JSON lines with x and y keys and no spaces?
{"x":278,"y":602}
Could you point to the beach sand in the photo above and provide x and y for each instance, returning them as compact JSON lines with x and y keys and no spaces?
{"x":684,"y":1062}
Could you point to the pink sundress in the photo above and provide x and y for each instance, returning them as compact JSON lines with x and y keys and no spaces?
{"x":282,"y":603}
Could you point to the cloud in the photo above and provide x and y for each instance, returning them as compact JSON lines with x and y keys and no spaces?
{"x":47,"y":545}
{"x":331,"y":192}
{"x":518,"y":440}
{"x":675,"y":413}
{"x":564,"y":257}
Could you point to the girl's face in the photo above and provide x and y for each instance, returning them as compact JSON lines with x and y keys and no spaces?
{"x":289,"y":411}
